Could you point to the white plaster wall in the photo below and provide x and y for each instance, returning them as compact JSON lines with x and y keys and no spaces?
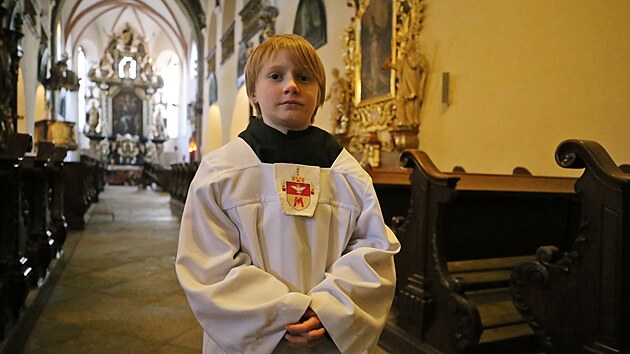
{"x":526,"y":76}
{"x":27,"y":88}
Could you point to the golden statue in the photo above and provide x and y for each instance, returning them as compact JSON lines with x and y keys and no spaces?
{"x":339,"y":95}
{"x":412,"y":70}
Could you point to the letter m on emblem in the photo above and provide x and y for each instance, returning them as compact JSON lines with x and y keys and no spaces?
{"x":298,"y":195}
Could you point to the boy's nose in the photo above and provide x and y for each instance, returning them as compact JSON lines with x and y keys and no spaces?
{"x":291,"y":85}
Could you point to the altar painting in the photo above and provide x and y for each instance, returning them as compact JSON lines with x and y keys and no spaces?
{"x":127,"y":114}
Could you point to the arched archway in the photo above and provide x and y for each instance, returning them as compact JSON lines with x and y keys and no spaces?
{"x":240,"y":116}
{"x":40,"y":102}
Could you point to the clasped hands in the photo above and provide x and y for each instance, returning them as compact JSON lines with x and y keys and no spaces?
{"x":308,"y":332}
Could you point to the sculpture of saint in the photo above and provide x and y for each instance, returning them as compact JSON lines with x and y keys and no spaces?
{"x":412,"y":68}
{"x":92,"y":120}
{"x":339,"y":97}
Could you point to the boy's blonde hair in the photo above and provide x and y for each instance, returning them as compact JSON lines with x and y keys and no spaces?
{"x":299,"y":50}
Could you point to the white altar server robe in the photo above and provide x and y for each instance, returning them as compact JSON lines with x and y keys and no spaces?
{"x":248,"y":270}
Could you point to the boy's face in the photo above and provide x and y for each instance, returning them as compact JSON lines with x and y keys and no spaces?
{"x":286,"y":93}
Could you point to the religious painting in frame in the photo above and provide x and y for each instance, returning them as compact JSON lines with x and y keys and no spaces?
{"x":244,"y":50}
{"x":127,"y":114}
{"x":379,"y":40}
{"x":376,"y":80}
{"x":213,"y":91}
{"x":227,"y":44}
{"x":310,"y":22}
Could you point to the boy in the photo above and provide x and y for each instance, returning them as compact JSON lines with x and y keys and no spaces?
{"x":282,"y":245}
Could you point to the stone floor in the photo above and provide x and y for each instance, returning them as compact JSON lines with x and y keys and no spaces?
{"x":118,"y":292}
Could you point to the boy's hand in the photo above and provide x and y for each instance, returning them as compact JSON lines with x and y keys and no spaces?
{"x":306,"y":333}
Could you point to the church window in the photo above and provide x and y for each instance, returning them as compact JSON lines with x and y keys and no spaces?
{"x":81,"y":73}
{"x":193,"y":61}
{"x":127,"y":68}
{"x":171,"y":76}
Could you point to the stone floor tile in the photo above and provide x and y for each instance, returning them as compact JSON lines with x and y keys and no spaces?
{"x":191,"y":339}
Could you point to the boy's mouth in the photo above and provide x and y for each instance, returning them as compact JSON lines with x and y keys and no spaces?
{"x":290,"y":103}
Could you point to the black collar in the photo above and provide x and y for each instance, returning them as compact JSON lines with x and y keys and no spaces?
{"x":311,"y":146}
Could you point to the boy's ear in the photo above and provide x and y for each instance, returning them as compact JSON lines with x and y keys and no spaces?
{"x":254,"y":99}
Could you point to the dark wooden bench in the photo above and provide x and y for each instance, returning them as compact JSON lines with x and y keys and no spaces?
{"x":41,"y":248}
{"x":83,"y":182}
{"x":463,"y":235}
{"x":576,"y":297}
{"x":392,"y":188}
{"x":15,"y":270}
{"x":182,"y":175}
{"x":177,"y":181}
{"x":58,"y":223}
{"x":32,"y":231}
{"x":149,"y":176}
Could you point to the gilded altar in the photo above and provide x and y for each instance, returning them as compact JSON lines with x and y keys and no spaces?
{"x":128,"y":126}
{"x":379,"y":93}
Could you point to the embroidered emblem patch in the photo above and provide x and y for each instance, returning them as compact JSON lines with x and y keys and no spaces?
{"x":298,"y":194}
{"x":298,"y":188}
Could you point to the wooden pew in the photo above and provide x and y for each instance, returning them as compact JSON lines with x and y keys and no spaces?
{"x":83,"y":181}
{"x":58,"y":223}
{"x":182,"y":175}
{"x":15,"y":271}
{"x":392,"y":188}
{"x":76,"y":203}
{"x":149,"y":175}
{"x":30,"y":254}
{"x":95,"y":177}
{"x":576,"y":297}
{"x":164,"y":178}
{"x":41,"y":248}
{"x":175,"y":180}
{"x":463,"y":235}
{"x":191,"y":170}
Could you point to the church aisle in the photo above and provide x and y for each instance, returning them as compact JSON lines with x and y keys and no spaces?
{"x":118,"y":292}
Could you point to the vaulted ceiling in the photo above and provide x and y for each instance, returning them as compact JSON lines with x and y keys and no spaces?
{"x":167,"y":23}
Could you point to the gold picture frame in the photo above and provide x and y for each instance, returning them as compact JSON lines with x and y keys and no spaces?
{"x":375,"y":78}
{"x":386,"y":115}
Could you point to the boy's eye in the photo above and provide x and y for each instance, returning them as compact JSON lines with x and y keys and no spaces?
{"x":275,"y":76}
{"x":304,"y":78}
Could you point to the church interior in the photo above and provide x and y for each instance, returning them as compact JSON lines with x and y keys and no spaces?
{"x":495,"y":133}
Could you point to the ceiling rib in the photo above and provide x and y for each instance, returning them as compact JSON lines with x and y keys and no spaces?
{"x":138,"y":7}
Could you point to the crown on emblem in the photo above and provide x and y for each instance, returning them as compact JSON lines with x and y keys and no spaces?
{"x":297,"y":177}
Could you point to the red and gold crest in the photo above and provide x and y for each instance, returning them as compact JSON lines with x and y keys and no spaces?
{"x":298,"y":188}
{"x":298,"y":192}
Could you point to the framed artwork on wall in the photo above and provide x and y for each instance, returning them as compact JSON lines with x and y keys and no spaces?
{"x":377,"y":81}
{"x":227,"y":44}
{"x":310,"y":22}
{"x":386,"y":73}
{"x":213,"y":91}
{"x":244,"y":50}
{"x":127,"y":114}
